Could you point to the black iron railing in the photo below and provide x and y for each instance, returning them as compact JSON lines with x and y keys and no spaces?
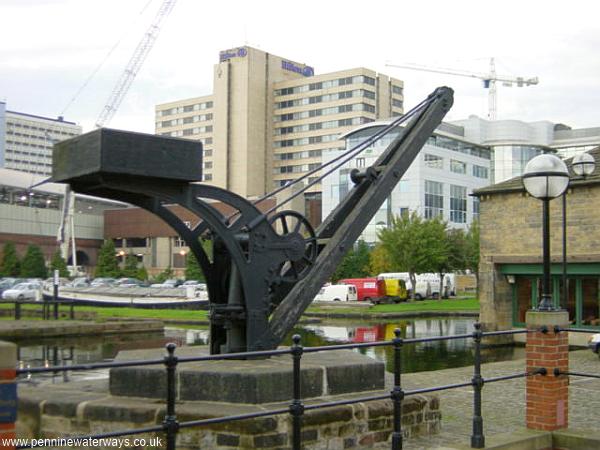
{"x":49,"y":309}
{"x":171,"y":426}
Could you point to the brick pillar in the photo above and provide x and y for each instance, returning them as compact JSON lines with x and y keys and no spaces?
{"x":547,"y":396}
{"x":8,"y":393}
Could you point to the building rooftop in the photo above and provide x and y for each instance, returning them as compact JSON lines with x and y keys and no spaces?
{"x":516,"y":184}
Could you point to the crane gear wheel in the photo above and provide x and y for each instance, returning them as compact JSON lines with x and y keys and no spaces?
{"x":295,"y":228}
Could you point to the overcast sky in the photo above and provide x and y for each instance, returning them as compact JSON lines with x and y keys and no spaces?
{"x":48,"y":48}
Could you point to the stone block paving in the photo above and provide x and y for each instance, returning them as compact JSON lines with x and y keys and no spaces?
{"x":503,"y":402}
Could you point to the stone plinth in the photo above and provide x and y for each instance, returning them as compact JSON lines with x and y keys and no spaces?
{"x":248,"y":381}
{"x":547,"y":396}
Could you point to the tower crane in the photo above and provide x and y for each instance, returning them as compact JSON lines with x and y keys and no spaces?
{"x":489,"y":80}
{"x":134,"y":64}
{"x":66,"y":229}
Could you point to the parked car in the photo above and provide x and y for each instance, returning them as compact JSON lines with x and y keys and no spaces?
{"x":171,"y":283}
{"x":103,"y":281}
{"x":23,"y":291}
{"x":7,"y":283}
{"x":128,"y":282}
{"x":337,"y":293}
{"x":80,"y":282}
{"x":594,"y":343}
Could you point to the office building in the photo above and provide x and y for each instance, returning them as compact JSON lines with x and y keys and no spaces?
{"x":269,"y":119}
{"x":33,"y":216}
{"x":26,"y":140}
{"x":437,"y":184}
{"x":514,"y":142}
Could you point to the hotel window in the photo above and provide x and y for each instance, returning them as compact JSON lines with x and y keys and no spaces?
{"x":207,"y":177}
{"x":397,"y":103}
{"x":208,"y":165}
{"x":458,"y":166}
{"x":434,"y":161}
{"x":208,"y":152}
{"x":458,"y":204}
{"x":396,"y":89}
{"x":434,"y":199}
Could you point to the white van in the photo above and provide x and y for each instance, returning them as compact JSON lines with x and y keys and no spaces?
{"x":337,"y":293}
{"x":434,"y":279}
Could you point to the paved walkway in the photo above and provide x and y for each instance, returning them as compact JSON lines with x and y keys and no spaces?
{"x":503,"y":407}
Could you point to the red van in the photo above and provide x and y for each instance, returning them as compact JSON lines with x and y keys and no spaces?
{"x":366,"y":288}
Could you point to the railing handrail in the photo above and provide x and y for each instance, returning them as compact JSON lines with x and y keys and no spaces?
{"x":170,"y":426}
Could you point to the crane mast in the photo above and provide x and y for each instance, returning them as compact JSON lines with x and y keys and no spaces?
{"x":489,"y":80}
{"x":134,"y":65}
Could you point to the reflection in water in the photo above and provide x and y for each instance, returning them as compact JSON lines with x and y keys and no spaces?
{"x":415,"y":357}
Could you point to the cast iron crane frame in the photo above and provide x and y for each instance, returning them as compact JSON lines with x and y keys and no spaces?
{"x":256,"y":292}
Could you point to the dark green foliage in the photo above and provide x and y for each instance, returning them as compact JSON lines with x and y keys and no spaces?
{"x":356,"y":263}
{"x":33,"y":264}
{"x":108,"y":265}
{"x":131,"y":266}
{"x":58,"y":263}
{"x":10,"y":266}
{"x":142,"y":274}
{"x":192,"y":268}
{"x":164,"y":275}
{"x":472,"y":248}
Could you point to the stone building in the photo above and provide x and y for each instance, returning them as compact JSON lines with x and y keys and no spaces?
{"x":510,"y":268}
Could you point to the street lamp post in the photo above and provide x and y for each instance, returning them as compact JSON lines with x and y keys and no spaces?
{"x":545,"y":178}
{"x":583,"y":165}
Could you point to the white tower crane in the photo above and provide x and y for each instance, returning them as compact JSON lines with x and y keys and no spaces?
{"x":489,"y":80}
{"x":134,"y":64}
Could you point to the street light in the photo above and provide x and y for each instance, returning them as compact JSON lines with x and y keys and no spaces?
{"x":583,"y":165}
{"x":546,"y":177}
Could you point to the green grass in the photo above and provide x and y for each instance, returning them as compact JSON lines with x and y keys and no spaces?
{"x":105,"y":313}
{"x":468,"y":304}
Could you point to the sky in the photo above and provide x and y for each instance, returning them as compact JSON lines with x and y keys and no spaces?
{"x":49,"y":50}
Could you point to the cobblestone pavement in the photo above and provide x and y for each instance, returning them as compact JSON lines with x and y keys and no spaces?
{"x":503,"y":402}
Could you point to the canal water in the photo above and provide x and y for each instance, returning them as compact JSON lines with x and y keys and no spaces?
{"x":415,"y":357}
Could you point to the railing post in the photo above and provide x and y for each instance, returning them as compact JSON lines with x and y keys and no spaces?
{"x":477,"y":438}
{"x":17,"y":310}
{"x":170,"y":424}
{"x":72,"y":310}
{"x":296,"y":408}
{"x":397,"y":392}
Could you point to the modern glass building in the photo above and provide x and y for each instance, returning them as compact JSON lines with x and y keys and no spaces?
{"x":437,"y":184}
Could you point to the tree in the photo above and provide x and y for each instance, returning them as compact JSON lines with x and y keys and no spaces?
{"x":193,"y":271}
{"x":34,"y":264}
{"x":58,"y":263}
{"x":10,"y":266}
{"x":379,"y":260}
{"x":355,"y":264}
{"x":413,"y":244}
{"x":472,"y":250}
{"x":164,"y":275}
{"x":142,"y":274}
{"x":107,"y":265}
{"x":130,"y":270}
